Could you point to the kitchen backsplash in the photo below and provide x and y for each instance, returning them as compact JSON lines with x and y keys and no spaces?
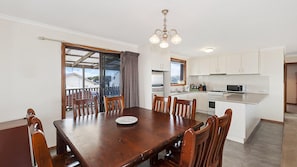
{"x":252,"y":83}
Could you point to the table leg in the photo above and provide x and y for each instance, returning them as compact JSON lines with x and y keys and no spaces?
{"x":61,"y":145}
{"x":153,"y":159}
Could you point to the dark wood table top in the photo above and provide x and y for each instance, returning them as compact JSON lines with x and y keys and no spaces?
{"x":100,"y":141}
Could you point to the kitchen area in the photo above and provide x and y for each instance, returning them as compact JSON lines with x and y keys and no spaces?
{"x":260,"y":74}
{"x":214,"y":94}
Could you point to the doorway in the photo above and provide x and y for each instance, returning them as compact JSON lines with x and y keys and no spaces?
{"x":291,"y":87}
{"x":88,"y":72}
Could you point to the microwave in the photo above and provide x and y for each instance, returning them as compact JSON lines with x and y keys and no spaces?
{"x":235,"y":88}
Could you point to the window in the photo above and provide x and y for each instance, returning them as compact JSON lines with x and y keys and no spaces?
{"x":178,"y":72}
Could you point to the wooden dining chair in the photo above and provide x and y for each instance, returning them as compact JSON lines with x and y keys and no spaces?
{"x":160,"y":102}
{"x":30,"y":114}
{"x":184,"y":108}
{"x":83,"y":107}
{"x":114,"y":104}
{"x":195,"y":148}
{"x":215,"y":156}
{"x":42,"y":156}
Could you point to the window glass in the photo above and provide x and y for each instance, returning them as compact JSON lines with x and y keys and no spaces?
{"x":178,"y":72}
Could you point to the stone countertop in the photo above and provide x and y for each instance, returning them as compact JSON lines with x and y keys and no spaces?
{"x":185,"y":92}
{"x":246,"y":98}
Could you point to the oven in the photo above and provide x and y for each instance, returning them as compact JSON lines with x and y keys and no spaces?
{"x":211,"y":107}
{"x":212,"y":96}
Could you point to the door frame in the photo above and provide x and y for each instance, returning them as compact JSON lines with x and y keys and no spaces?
{"x":64,"y":45}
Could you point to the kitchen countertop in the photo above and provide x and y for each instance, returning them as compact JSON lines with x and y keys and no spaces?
{"x":185,"y":92}
{"x":247,"y":98}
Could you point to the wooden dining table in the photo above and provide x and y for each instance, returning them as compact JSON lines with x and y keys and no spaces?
{"x":97,"y":140}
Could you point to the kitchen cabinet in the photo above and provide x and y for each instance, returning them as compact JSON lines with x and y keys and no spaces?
{"x":160,"y":59}
{"x":198,"y":66}
{"x":201,"y":100}
{"x":247,"y":63}
{"x":184,"y":96}
{"x":244,"y":119}
{"x":217,"y":64}
{"x":193,"y":66}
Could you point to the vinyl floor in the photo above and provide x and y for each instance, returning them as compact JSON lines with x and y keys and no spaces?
{"x":263,"y":149}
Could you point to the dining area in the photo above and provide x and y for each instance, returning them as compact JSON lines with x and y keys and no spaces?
{"x":122,"y":136}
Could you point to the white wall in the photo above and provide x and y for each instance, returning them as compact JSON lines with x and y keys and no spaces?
{"x":150,"y":55}
{"x":291,"y":83}
{"x":31,"y":69}
{"x":272,"y":65}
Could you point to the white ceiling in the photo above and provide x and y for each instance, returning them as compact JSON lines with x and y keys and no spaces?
{"x":231,"y":26}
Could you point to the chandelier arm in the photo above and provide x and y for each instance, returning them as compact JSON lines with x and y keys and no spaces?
{"x":164,"y":35}
{"x":158,"y":31}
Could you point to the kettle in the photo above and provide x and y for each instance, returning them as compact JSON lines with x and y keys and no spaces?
{"x":186,"y":88}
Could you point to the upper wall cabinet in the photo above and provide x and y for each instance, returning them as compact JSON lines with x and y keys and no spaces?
{"x":217,"y":64}
{"x":160,"y":59}
{"x":198,"y":66}
{"x":247,"y":63}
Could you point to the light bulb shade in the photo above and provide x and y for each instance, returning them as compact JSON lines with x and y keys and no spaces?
{"x":176,"y":39}
{"x":164,"y":44}
{"x":154,"y":39}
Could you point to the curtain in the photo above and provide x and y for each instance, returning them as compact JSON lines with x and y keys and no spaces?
{"x":129,"y":78}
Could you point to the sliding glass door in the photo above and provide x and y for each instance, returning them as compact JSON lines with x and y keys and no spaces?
{"x":90,"y":73}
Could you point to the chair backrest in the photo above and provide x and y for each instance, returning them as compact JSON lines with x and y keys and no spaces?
{"x":30,"y":115}
{"x":36,"y":124}
{"x":219,"y":136}
{"x":114,"y":104}
{"x":184,"y":108}
{"x":196,"y":145}
{"x":40,"y":149}
{"x":83,"y":107}
{"x":159,"y":103}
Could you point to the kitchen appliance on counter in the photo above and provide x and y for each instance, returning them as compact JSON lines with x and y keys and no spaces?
{"x":236,"y":88}
{"x":186,"y":88}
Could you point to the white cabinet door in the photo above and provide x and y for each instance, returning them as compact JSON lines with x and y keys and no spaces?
{"x":204,"y":66}
{"x":250,"y":63}
{"x":233,"y":64}
{"x":194,"y":66}
{"x":198,"y":66}
{"x":202,"y":102}
{"x":247,"y":63}
{"x":217,"y":64}
{"x":213,"y":65}
{"x":160,"y":59}
{"x":221,"y":64}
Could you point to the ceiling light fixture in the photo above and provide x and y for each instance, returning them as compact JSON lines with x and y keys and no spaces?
{"x":162,"y":36}
{"x":207,"y":50}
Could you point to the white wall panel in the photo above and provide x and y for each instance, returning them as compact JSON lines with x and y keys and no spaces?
{"x":31,"y":70}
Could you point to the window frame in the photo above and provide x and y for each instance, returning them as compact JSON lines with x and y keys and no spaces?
{"x":184,"y":62}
